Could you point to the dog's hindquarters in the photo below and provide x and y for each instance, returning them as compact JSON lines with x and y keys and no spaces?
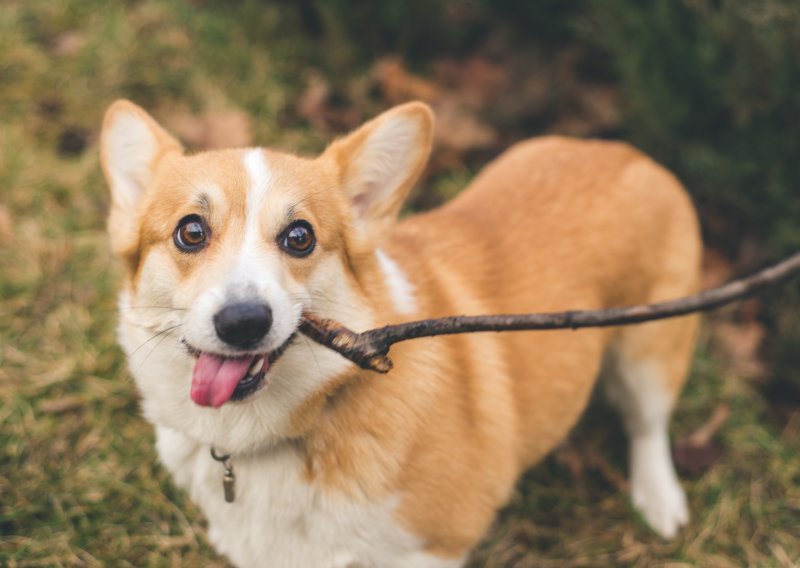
{"x":557,"y":224}
{"x":647,"y":365}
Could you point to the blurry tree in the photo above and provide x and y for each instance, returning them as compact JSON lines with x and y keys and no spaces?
{"x":712,"y":89}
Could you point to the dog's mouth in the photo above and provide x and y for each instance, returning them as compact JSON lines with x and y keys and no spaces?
{"x":218,"y":379}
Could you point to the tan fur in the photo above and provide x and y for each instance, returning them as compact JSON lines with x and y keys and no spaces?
{"x":553,"y":224}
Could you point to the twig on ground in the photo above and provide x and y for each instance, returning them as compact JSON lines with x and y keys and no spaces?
{"x":370,"y":349}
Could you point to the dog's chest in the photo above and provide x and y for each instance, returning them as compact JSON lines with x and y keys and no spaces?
{"x":278,"y":519}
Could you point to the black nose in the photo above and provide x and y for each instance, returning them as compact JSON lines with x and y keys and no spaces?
{"x":243,"y":325}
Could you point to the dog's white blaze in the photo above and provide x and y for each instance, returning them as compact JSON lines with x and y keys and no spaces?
{"x":260,"y":181}
{"x":401,"y":289}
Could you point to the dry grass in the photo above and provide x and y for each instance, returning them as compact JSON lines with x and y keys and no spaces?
{"x":79,"y":480}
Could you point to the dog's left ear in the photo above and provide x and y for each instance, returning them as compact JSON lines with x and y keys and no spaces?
{"x":379,"y":163}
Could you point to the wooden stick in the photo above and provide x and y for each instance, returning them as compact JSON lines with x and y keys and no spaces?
{"x":369,"y":350}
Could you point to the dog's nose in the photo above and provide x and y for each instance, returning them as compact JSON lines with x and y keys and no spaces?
{"x":244,"y":324}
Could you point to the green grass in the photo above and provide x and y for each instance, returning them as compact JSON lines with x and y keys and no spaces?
{"x":79,"y":479}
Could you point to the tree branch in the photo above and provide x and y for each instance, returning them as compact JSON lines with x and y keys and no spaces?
{"x":369,"y":350}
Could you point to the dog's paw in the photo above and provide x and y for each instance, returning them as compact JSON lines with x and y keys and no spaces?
{"x":662,"y":503}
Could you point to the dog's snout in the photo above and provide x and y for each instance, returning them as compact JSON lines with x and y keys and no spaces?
{"x":243,"y":325}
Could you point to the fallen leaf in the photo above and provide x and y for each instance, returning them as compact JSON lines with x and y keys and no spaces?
{"x":697,"y":452}
{"x":459,"y":129}
{"x":704,"y":434}
{"x":6,"y":226}
{"x":588,"y":110}
{"x":579,"y":459}
{"x":67,"y":44}
{"x":477,"y":80}
{"x":611,"y":476}
{"x":311,"y":104}
{"x":61,"y":404}
{"x":741,"y":342}
{"x":567,"y":455}
{"x":398,"y":85}
{"x":230,"y":128}
{"x":716,"y":269}
{"x":88,"y":442}
{"x":693,"y":461}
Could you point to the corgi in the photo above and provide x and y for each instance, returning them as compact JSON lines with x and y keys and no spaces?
{"x":319,"y":463}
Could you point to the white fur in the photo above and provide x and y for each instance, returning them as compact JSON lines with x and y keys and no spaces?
{"x":655,"y":489}
{"x":280,"y":520}
{"x":401,"y":290}
{"x":130,"y":148}
{"x":639,"y":392}
{"x":260,"y":181}
{"x":383,"y":163}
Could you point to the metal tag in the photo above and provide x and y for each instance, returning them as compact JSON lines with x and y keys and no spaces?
{"x":228,"y":480}
{"x":229,"y":486}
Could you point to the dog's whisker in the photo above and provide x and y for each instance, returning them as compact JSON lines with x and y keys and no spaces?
{"x":314,"y":356}
{"x":155,"y":336}
{"x":165,"y":308}
{"x":163,"y":336}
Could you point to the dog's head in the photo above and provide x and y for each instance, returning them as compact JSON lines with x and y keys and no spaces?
{"x":225,"y":250}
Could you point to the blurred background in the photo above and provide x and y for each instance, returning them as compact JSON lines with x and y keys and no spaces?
{"x":710,"y":88}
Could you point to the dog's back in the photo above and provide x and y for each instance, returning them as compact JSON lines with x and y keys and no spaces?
{"x":553,"y":224}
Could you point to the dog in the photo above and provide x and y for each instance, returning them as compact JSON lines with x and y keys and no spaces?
{"x":299,"y":458}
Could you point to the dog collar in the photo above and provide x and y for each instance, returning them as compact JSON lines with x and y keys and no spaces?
{"x":228,"y":478}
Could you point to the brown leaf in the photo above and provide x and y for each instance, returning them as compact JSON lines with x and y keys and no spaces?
{"x":328,"y":109}
{"x":697,"y":452}
{"x":398,"y":85}
{"x":611,"y":476}
{"x":716,"y":269}
{"x":741,"y":343}
{"x":579,"y":460}
{"x":589,"y":110}
{"x":312,"y":103}
{"x":703,"y":435}
{"x":229,"y":128}
{"x":67,"y":44}
{"x":61,"y":404}
{"x":693,"y":461}
{"x":477,"y":79}
{"x":459,"y":129}
{"x":567,"y":455}
{"x":88,"y":442}
{"x":6,"y":226}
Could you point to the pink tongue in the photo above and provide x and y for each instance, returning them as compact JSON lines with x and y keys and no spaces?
{"x":215,"y":378}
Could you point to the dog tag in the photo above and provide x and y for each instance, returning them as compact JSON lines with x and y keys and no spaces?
{"x":228,"y":480}
{"x":228,"y":485}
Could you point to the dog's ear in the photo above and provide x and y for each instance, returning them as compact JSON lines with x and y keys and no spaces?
{"x":379,"y":163}
{"x":131,"y":145}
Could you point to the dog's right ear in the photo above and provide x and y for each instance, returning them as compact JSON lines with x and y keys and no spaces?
{"x":131,"y":145}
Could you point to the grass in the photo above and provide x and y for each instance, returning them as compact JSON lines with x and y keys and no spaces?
{"x":79,"y":479}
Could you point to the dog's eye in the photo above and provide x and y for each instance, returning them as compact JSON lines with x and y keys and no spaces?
{"x":191,"y":234}
{"x":298,"y":239}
